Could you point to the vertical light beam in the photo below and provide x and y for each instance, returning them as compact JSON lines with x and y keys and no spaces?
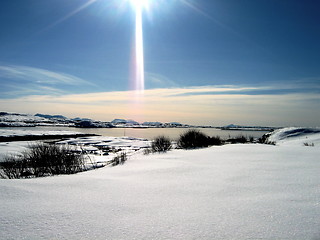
{"x":136,"y":110}
{"x":139,"y":53}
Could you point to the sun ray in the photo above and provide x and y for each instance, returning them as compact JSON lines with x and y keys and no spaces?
{"x":139,"y":3}
{"x":137,"y":102}
{"x":139,"y":51}
{"x":74,"y":12}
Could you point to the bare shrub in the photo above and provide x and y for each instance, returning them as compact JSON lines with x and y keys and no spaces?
{"x":46,"y":159}
{"x":215,"y":141}
{"x":147,"y":151}
{"x":270,"y":143}
{"x":238,"y":139}
{"x":43,"y":160}
{"x":12,"y":167}
{"x":264,"y":138}
{"x":308,"y":144}
{"x":161,"y":144}
{"x":193,"y":139}
{"x":119,"y":159}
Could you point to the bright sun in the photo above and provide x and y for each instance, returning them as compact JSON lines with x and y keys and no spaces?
{"x":139,"y":4}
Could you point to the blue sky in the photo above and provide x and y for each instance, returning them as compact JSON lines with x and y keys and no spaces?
{"x":230,"y":49}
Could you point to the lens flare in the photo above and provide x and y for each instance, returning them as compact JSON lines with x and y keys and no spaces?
{"x":139,"y":52}
{"x":139,"y":3}
{"x":137,"y":81}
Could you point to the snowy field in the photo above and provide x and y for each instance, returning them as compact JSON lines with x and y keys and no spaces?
{"x":13,"y":132}
{"x":16,"y":147}
{"x":242,"y":191}
{"x":92,"y":145}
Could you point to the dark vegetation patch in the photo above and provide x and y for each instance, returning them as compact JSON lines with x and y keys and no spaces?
{"x":120,"y":159}
{"x":238,"y":139}
{"x":41,"y":160}
{"x":196,"y":139}
{"x":161,"y":144}
{"x":193,"y":139}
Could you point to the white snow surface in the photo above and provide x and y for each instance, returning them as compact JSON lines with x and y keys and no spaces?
{"x":21,"y":118}
{"x":242,"y":191}
{"x":296,"y":136}
{"x":89,"y":144}
{"x":12,"y":148}
{"x":33,"y":132}
{"x":119,"y":142}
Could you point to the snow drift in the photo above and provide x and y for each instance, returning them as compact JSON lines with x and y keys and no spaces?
{"x":296,"y":136}
{"x":242,"y":191}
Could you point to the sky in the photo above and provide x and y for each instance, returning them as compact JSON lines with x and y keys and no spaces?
{"x":207,"y":62}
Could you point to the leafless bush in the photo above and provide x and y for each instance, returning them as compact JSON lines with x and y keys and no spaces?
{"x":217,"y":141}
{"x":270,"y":142}
{"x":238,"y":139}
{"x":12,"y":167}
{"x":43,"y":160}
{"x":161,"y":144}
{"x":147,"y":151}
{"x":308,"y":144}
{"x":119,"y":159}
{"x":193,"y":139}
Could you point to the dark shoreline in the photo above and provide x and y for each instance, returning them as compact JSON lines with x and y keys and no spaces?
{"x":42,"y":137}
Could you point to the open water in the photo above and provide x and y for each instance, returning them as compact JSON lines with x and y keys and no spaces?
{"x":150,"y":133}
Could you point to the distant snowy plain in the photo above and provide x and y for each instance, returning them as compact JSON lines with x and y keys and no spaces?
{"x":242,"y":191}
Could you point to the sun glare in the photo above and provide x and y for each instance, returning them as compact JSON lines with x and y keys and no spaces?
{"x":139,"y":4}
{"x":138,"y":78}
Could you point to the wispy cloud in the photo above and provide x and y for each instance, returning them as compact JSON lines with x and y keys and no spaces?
{"x":38,"y":75}
{"x":260,"y":90}
{"x":25,"y":80}
{"x":154,"y":80}
{"x":199,"y":105}
{"x":31,"y":89}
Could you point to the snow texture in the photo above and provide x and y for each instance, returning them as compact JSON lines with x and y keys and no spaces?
{"x":242,"y":191}
{"x":296,"y":136}
{"x":5,"y":132}
{"x":12,"y":148}
{"x":20,"y":118}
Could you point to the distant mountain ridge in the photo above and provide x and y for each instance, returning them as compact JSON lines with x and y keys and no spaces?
{"x":28,"y":120}
{"x":50,"y":116}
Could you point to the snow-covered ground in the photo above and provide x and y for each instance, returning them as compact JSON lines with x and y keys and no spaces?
{"x":12,"y":148}
{"x":13,"y":132}
{"x":242,"y":191}
{"x":25,"y":120}
{"x":296,"y":136}
{"x":91,"y":145}
{"x":8,"y":117}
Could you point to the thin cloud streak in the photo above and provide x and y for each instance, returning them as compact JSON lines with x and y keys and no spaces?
{"x":39,"y":75}
{"x":175,"y":105}
{"x":32,"y":89}
{"x":153,"y":80}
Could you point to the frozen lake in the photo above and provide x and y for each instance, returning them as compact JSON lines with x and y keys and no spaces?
{"x":148,"y":133}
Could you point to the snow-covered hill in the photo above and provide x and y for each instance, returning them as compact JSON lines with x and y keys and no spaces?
{"x":19,"y":120}
{"x":28,"y":120}
{"x":296,"y":136}
{"x":241,"y":191}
